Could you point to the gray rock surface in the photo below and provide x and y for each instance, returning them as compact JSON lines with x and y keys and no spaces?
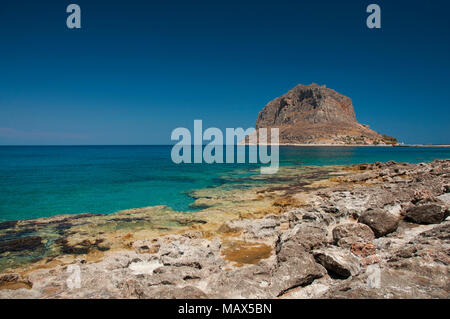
{"x":338,"y":261}
{"x":348,"y":233}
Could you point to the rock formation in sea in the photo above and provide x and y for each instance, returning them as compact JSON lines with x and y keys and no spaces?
{"x":315,"y":114}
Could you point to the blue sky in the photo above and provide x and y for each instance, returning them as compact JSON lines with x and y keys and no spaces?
{"x":138,"y":69}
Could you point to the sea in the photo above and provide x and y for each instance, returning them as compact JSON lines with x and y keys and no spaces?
{"x":43,"y":181}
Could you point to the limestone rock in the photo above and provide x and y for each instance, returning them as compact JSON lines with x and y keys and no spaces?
{"x":338,"y":261}
{"x":296,"y":271}
{"x":302,"y":237}
{"x":354,"y":232}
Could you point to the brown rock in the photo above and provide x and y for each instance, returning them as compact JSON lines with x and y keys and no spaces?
{"x":354,"y":231}
{"x":423,"y":194}
{"x":227,"y":227}
{"x":426,"y":214}
{"x":25,"y":243}
{"x":370,"y":260}
{"x":381,"y":222}
{"x":363,"y":249}
{"x":314,"y":114}
{"x":14,"y":281}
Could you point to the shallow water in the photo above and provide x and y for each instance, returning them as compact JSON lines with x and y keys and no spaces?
{"x":41,"y":181}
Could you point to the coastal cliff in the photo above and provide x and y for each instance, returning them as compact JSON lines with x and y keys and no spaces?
{"x":315,"y":114}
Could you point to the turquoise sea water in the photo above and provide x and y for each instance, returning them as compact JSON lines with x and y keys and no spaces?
{"x":38,"y":181}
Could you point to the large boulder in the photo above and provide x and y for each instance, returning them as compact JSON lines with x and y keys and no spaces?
{"x":347,"y":234}
{"x":338,"y":261}
{"x":302,"y":237}
{"x":426,"y":214}
{"x":381,"y":222}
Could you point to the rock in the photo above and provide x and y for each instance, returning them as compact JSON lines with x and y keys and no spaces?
{"x":370,"y":260}
{"x":228,"y":227}
{"x":426,"y":214}
{"x":338,"y":261}
{"x":302,"y":237}
{"x":8,"y":224}
{"x":82,"y":247}
{"x":14,"y":281}
{"x":262,"y":227}
{"x":146,"y":246}
{"x":168,"y":292}
{"x":354,"y":231}
{"x":379,"y":221}
{"x":25,"y":243}
{"x":446,"y":188}
{"x":445,"y":198}
{"x":363,"y":249}
{"x":314,"y":114}
{"x":296,"y":271}
{"x":347,"y":242}
{"x":423,"y":194}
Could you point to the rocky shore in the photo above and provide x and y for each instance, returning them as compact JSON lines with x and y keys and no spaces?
{"x":363,"y":231}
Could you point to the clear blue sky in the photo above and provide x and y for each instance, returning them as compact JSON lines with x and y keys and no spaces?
{"x":138,"y":69}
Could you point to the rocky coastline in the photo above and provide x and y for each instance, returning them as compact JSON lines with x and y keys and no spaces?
{"x":363,"y":231}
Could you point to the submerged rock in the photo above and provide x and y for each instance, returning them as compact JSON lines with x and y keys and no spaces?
{"x":25,"y":243}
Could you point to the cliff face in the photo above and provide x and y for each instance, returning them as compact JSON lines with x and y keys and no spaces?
{"x":315,"y":114}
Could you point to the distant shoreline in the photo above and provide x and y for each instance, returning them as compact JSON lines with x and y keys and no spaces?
{"x":239,"y":144}
{"x":354,"y":145}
